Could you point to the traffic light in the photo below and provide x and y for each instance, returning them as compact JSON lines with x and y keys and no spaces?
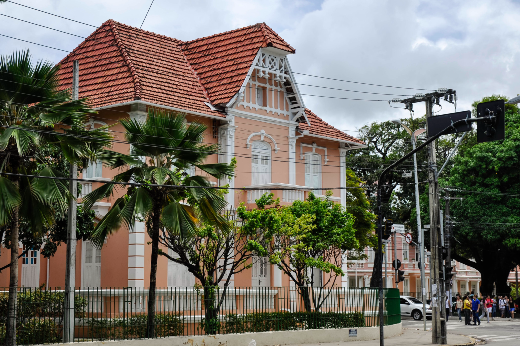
{"x":444,"y":252}
{"x":396,"y":263}
{"x":493,"y":129}
{"x":448,"y":275}
{"x":387,"y":230}
{"x":400,"y":275}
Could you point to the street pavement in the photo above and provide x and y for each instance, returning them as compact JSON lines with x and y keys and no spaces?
{"x":501,"y":332}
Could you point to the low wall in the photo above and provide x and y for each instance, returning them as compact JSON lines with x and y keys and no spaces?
{"x":312,"y":336}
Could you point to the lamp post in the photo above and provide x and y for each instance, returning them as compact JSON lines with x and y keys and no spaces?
{"x":413,"y":136}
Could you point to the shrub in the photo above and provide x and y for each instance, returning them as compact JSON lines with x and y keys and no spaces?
{"x":276,"y":321}
{"x":35,"y":331}
{"x":134,"y":327}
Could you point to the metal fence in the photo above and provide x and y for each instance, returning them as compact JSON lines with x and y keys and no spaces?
{"x":121,"y":313}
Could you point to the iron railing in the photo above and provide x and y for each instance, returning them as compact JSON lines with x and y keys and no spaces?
{"x":121,"y":313}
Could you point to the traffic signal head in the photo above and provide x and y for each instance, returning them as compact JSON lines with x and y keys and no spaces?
{"x":492,"y":129}
{"x":448,"y":275}
{"x":396,"y":264}
{"x":444,"y":252}
{"x":400,"y":275}
{"x":387,"y":229}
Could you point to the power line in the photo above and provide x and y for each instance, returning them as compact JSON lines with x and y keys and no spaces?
{"x":43,"y":26}
{"x":38,"y":44}
{"x":51,"y":14}
{"x":362,"y":83}
{"x":146,"y":14}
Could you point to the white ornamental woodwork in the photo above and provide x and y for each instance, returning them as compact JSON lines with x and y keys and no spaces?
{"x":262,"y":135}
{"x":31,"y":268}
{"x":260,"y":163}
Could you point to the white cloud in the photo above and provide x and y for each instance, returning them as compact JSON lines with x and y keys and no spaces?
{"x":472,"y":47}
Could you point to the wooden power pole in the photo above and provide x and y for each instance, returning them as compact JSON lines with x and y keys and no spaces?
{"x":70,"y":275}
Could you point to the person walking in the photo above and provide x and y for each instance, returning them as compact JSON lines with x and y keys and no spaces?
{"x":448,"y":306}
{"x":494,"y":314}
{"x":467,"y":310}
{"x":511,"y":308}
{"x":459,"y":307}
{"x":475,"y":306}
{"x":488,"y":308}
{"x":507,"y":308}
{"x":501,"y":306}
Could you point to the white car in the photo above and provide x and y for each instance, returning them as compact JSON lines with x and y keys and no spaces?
{"x":411,"y":306}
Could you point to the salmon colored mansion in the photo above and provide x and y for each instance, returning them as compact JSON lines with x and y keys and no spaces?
{"x":241,"y":86}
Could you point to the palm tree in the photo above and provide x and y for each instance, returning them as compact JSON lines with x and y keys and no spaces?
{"x":34,"y":116}
{"x":163,"y":148}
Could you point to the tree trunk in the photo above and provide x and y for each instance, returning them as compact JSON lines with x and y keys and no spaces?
{"x":211,"y":323}
{"x":153,"y":271}
{"x":10,"y":336}
{"x":304,"y":292}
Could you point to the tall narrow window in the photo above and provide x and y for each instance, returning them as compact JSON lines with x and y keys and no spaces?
{"x":260,"y":96}
{"x":261,"y":163}
{"x":93,"y":170}
{"x":405,"y":251}
{"x":313,"y":171}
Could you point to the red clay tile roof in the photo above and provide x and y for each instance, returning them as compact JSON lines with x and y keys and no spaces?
{"x":321,"y":128}
{"x":119,"y":63}
{"x":222,"y":61}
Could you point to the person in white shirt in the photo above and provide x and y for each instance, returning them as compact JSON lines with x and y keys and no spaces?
{"x":501,"y":306}
{"x":448,"y":307}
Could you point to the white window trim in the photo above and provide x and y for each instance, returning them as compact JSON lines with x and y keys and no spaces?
{"x":260,"y":154}
{"x":314,"y":147}
{"x":262,"y":135}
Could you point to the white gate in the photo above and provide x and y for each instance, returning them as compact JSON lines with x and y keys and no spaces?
{"x":91,"y":266}
{"x":31,"y":268}
{"x":260,"y":275}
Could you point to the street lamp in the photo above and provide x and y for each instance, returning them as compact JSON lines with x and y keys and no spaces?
{"x":514,"y":100}
{"x":413,"y":136}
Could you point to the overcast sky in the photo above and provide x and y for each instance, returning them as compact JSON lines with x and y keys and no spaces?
{"x":470,"y":46}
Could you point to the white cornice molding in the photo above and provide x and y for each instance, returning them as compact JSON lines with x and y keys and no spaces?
{"x":129,"y":103}
{"x":352,"y":145}
{"x":262,"y":118}
{"x":262,"y":134}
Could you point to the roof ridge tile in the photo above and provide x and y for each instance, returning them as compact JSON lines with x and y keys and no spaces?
{"x":128,"y":61}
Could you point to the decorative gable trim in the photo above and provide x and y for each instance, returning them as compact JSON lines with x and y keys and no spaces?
{"x":262,"y":134}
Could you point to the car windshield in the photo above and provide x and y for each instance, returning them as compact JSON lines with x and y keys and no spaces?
{"x":416,"y":301}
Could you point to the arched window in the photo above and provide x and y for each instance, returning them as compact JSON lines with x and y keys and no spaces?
{"x":261,"y":163}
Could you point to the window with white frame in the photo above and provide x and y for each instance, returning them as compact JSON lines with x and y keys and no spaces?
{"x":260,"y":163}
{"x":93,"y":170}
{"x":406,"y":251}
{"x":260,"y":96}
{"x":313,"y":171}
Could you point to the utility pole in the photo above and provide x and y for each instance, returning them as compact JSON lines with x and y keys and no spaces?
{"x":395,"y":259}
{"x":447,"y":241}
{"x":70,"y":275}
{"x":434,"y":234}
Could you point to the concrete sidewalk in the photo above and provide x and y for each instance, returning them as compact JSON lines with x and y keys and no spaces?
{"x":408,"y":337}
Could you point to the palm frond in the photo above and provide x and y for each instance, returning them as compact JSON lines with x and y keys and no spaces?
{"x":9,"y":199}
{"x":177,"y":220}
{"x":101,"y":192}
{"x":109,"y":223}
{"x":116,"y":160}
{"x":25,"y":139}
{"x":218,"y":170}
{"x":51,"y":191}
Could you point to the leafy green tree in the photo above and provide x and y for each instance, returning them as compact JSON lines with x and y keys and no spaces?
{"x":163,"y":148}
{"x":212,"y":255}
{"x":358,"y":205}
{"x":485,"y":228}
{"x":34,"y":115}
{"x":309,"y":238}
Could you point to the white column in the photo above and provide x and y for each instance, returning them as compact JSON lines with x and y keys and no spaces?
{"x":277,"y":276}
{"x":227,"y":152}
{"x":292,"y":155}
{"x":136,"y":234}
{"x":344,"y":267}
{"x":343,"y":174}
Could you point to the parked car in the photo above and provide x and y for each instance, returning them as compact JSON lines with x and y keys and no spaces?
{"x":411,"y":306}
